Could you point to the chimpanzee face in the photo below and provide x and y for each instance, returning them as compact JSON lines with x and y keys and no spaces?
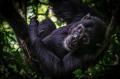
{"x":78,"y":36}
{"x":84,"y":32}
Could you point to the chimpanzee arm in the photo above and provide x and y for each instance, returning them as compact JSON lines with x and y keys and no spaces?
{"x":49,"y":62}
{"x":33,"y":29}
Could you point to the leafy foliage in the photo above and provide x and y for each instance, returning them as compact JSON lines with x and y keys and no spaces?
{"x":12,"y":58}
{"x":12,"y":62}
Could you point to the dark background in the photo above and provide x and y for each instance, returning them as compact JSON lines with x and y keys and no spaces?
{"x":14,"y":47}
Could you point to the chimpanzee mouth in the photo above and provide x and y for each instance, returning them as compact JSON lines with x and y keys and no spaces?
{"x":82,"y":39}
{"x":78,"y":32}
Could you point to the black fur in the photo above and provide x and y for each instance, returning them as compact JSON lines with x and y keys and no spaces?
{"x":57,"y":61}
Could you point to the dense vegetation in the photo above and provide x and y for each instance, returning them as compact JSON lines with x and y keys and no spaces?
{"x":14,"y":59}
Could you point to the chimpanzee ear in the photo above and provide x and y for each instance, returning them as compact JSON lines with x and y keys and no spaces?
{"x":87,"y":16}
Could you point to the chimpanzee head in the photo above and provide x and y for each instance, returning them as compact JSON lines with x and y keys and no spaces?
{"x":90,"y":30}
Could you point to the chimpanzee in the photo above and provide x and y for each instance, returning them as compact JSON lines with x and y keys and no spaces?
{"x":65,"y":49}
